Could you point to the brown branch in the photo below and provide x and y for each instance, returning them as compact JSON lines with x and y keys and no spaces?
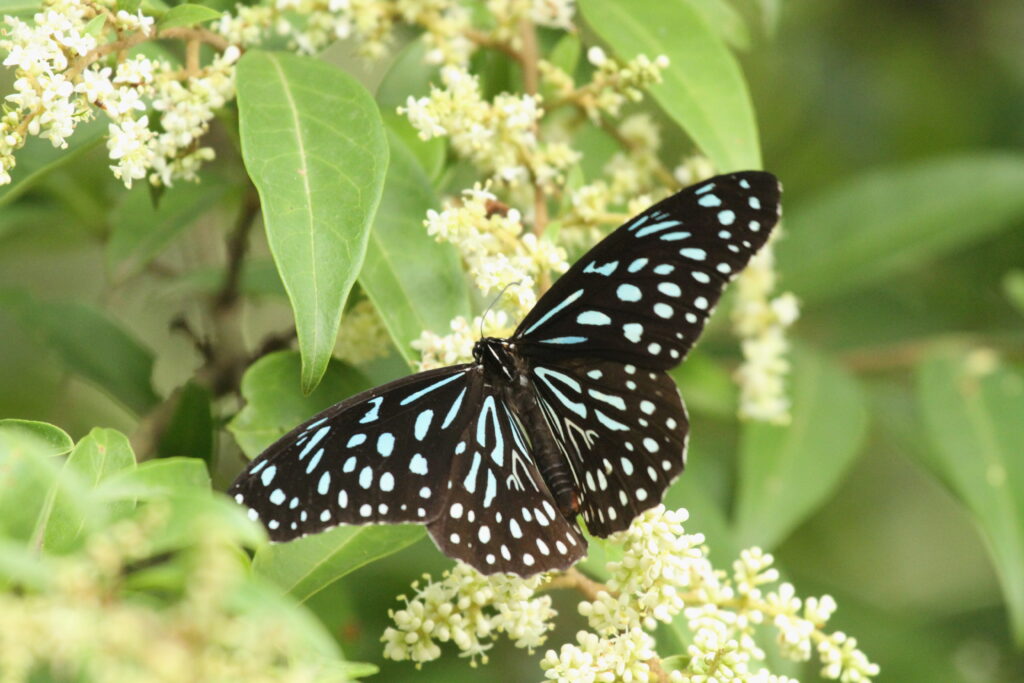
{"x":574,"y":579}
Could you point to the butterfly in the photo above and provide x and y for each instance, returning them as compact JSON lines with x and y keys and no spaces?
{"x":573,"y":415}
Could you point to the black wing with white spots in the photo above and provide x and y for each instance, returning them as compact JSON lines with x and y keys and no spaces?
{"x":574,"y":413}
{"x":643,"y":294}
{"x":622,"y":429}
{"x":383,"y":456}
{"x":498,"y":513}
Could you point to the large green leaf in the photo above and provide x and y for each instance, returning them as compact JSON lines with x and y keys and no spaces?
{"x":308,"y":565}
{"x":140,"y":230}
{"x":28,"y":472}
{"x":411,"y":294}
{"x":275,"y":404}
{"x":90,"y":344}
{"x":888,"y":221}
{"x":100,"y":455}
{"x":787,"y":472}
{"x":314,"y":146}
{"x":703,"y":89}
{"x":974,"y":418}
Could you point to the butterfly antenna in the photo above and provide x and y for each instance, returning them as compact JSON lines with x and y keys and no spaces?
{"x":493,"y":302}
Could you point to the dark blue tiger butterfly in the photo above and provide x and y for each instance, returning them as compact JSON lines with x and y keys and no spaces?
{"x":574,"y":414}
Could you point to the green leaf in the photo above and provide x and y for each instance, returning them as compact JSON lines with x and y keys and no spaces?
{"x":706,"y":386}
{"x":29,"y":470}
{"x":786,"y":473}
{"x":100,"y":455}
{"x":314,"y":145}
{"x":410,"y":75}
{"x":306,"y":566}
{"x":18,"y":437}
{"x":259,"y":278}
{"x":90,"y":344}
{"x":190,"y":431}
{"x":411,"y":294}
{"x":702,"y":90}
{"x":974,"y":419}
{"x":187,"y":15}
{"x":274,"y":403}
{"x":95,"y":25}
{"x":140,"y":230}
{"x":157,"y":479}
{"x":39,"y":157}
{"x":889,"y":221}
{"x":129,"y":6}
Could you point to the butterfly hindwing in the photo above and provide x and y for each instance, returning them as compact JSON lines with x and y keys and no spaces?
{"x":383,"y":456}
{"x":498,"y":514}
{"x":643,"y":294}
{"x":623,"y":431}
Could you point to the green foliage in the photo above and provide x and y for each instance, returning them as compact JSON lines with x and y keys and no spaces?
{"x":703,"y":90}
{"x":411,"y":295}
{"x":786,"y":472}
{"x":186,"y":14}
{"x":315,"y":147}
{"x":973,"y":416}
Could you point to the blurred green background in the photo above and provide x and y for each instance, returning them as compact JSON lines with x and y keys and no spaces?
{"x":897,"y":128}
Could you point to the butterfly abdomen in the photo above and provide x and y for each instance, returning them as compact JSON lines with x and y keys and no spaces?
{"x":553,"y":467}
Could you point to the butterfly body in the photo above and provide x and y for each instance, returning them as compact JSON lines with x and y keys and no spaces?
{"x":574,"y":415}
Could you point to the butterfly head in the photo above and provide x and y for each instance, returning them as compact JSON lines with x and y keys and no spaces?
{"x":496,"y":356}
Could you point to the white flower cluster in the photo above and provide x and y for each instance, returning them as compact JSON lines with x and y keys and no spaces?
{"x":457,"y":347}
{"x":499,"y":136}
{"x":62,"y":76}
{"x":470,"y":610}
{"x":761,"y":322}
{"x":496,"y":250}
{"x":311,"y":25}
{"x":664,"y":572}
{"x":615,"y":83}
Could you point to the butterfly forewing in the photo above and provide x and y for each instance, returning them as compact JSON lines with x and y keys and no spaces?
{"x":643,"y":294}
{"x":383,"y":456}
{"x":623,"y":431}
{"x":498,"y":514}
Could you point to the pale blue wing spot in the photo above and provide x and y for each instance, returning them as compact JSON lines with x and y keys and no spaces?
{"x":374,"y":412}
{"x":314,"y":461}
{"x":628,"y":292}
{"x":674,"y":236}
{"x":633,"y":331}
{"x":277,"y":497}
{"x":710,"y":200}
{"x":726,"y":217}
{"x":606,"y":270}
{"x":423,"y":424}
{"x":385,"y":444}
{"x":693,"y":253}
{"x":356,"y":440}
{"x":754,"y":202}
{"x":663,"y":310}
{"x":565,"y":302}
{"x":637,"y":264}
{"x":426,"y":390}
{"x":706,"y":188}
{"x":664,"y":269}
{"x":418,"y":464}
{"x":669,"y":289}
{"x":320,"y":434}
{"x":324,"y":484}
{"x":453,"y":411}
{"x":701,"y":303}
{"x":656,"y":227}
{"x":593,"y":318}
{"x":564,"y":340}
{"x":703,"y":278}
{"x":754,"y":226}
